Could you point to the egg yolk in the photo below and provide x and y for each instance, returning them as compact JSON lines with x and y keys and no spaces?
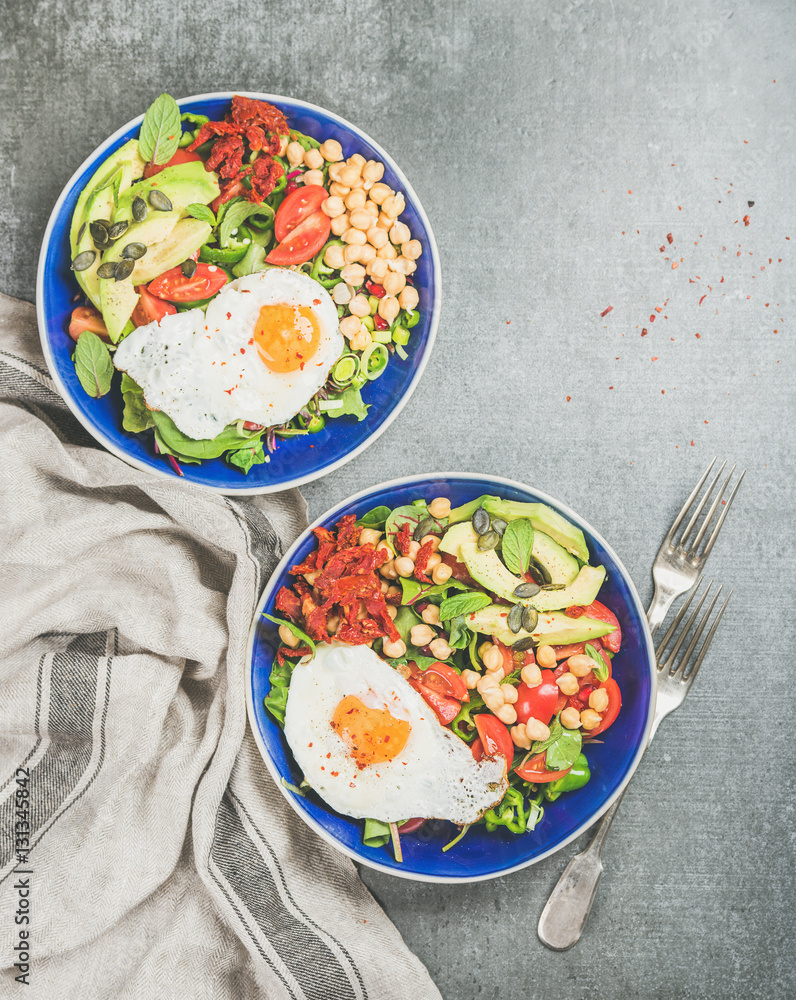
{"x":371,"y":735}
{"x":287,"y":336}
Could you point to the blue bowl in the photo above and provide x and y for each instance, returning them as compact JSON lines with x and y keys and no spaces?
{"x":296,"y":460}
{"x":480,"y":855}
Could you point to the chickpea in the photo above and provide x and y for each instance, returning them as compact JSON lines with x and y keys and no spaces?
{"x":520,"y":737}
{"x":352,"y":235}
{"x":368,"y":536}
{"x":360,"y":218}
{"x":373,"y":171}
{"x":331,"y":150}
{"x":394,"y":649}
{"x":377,"y":269}
{"x":404,"y":566}
{"x":384,"y":222}
{"x":580,"y":664}
{"x":341,"y":293}
{"x":361,"y":341}
{"x":400,"y":233}
{"x":350,"y":326}
{"x":338,"y":190}
{"x":349,"y":175}
{"x":441,"y":574}
{"x":313,"y":158}
{"x":357,"y":160}
{"x":487,"y":683}
{"x":340,"y":224}
{"x":283,"y":143}
{"x":411,"y":249}
{"x":402,"y":265}
{"x":570,"y":718}
{"x":295,"y":153}
{"x":384,"y":546}
{"x":377,"y":237}
{"x":408,"y":299}
{"x":394,"y":284}
{"x":492,"y":658}
{"x":359,"y":305}
{"x":598,"y":700}
{"x":352,"y":253}
{"x":367,"y":253}
{"x":379,"y":193}
{"x":414,"y":548}
{"x":353,"y":274}
{"x":590,"y":719}
{"x":440,"y":649}
{"x":394,"y":205}
{"x":287,"y":637}
{"x":470,"y":678}
{"x":335,"y":169}
{"x":356,"y":199}
{"x":493,"y":700}
{"x":536,"y":730}
{"x":510,"y":694}
{"x":388,"y":306}
{"x":546,"y":656}
{"x":332,"y":625}
{"x":531,"y":675}
{"x":312,"y":577}
{"x":312,"y":178}
{"x":430,"y":614}
{"x":434,"y":560}
{"x":394,"y":592}
{"x":422,"y":635}
{"x":384,"y":586}
{"x":432,"y":540}
{"x":568,"y":684}
{"x":507,"y":714}
{"x":333,"y":207}
{"x":388,"y":252}
{"x":392,"y":611}
{"x":373,"y":208}
{"x":334,"y":257}
{"x":388,"y":570}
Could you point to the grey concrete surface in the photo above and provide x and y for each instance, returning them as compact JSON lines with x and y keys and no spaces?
{"x":554,"y":146}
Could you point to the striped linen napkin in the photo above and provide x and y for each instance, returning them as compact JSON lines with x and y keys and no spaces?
{"x":144,"y":850}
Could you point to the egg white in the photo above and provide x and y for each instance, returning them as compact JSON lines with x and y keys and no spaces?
{"x":435,"y":775}
{"x":203,"y":370}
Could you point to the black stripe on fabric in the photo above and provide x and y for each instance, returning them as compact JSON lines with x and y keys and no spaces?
{"x":289,"y":894}
{"x":36,"y":729}
{"x":73,"y":702}
{"x":311,"y":962}
{"x":27,"y":364}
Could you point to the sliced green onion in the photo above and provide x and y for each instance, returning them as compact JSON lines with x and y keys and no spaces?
{"x":345,"y":369}
{"x":367,"y":322}
{"x":324,"y":405}
{"x":374,"y":360}
{"x":291,"y":432}
{"x":293,"y":788}
{"x":456,"y":839}
{"x":411,"y":318}
{"x":401,"y":335}
{"x":381,"y":336}
{"x":401,"y":352}
{"x":373,"y":302}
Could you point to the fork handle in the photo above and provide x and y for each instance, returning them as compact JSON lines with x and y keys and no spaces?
{"x":567,"y":910}
{"x":662,"y":600}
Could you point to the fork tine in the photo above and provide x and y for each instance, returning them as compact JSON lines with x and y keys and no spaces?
{"x":708,"y":640}
{"x":680,"y":671}
{"x":695,"y":516}
{"x":667,"y":665}
{"x":694,"y":548}
{"x":690,"y":500}
{"x":678,"y":619}
{"x":715,"y":534}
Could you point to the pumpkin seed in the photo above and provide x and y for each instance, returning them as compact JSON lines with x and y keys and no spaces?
{"x":426,"y":525}
{"x":99,"y":233}
{"x":530,"y":618}
{"x":522,"y":644}
{"x":488,"y":540}
{"x":514,"y":620}
{"x":553,"y":586}
{"x":188,"y":268}
{"x":542,"y":571}
{"x":84,"y":260}
{"x":499,"y":525}
{"x":107,"y":270}
{"x":481,"y":521}
{"x":159,"y":201}
{"x":139,"y":208}
{"x":118,"y":229}
{"x":134,"y":250}
{"x":80,"y":232}
{"x":124,"y":269}
{"x":527,"y":590}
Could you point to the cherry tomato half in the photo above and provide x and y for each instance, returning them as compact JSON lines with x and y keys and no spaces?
{"x":149,"y":308}
{"x":536,"y":770}
{"x":87,"y":318}
{"x":298,"y":206}
{"x":444,"y":680}
{"x":446,"y":709}
{"x":599,"y":611}
{"x":181,"y":156}
{"x":172,"y":285}
{"x":493,"y":739}
{"x":614,"y":704}
{"x":537,"y":702}
{"x":458,"y":569}
{"x":229,"y":192}
{"x":303,"y":242}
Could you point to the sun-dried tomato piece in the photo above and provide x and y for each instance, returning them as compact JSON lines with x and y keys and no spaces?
{"x":347,"y":532}
{"x":302,"y":587}
{"x":403,"y":538}
{"x":226,"y":156}
{"x":249,"y":111}
{"x":265,"y":172}
{"x":378,"y":610}
{"x":316,"y":623}
{"x":289,"y":603}
{"x":287,"y":651}
{"x":421,"y":561}
{"x":575,"y":611}
{"x":309,"y":565}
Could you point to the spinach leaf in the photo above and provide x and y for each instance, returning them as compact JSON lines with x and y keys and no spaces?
{"x":276,"y":699}
{"x":375,"y":518}
{"x":161,"y":130}
{"x":297,"y":632}
{"x":414,"y":590}
{"x":136,"y":417}
{"x":352,"y":405}
{"x":181,"y":445}
{"x":413,"y":514}
{"x":246,"y":457}
{"x":556,"y":729}
{"x":459,"y":634}
{"x":201,"y":212}
{"x":463,"y":604}
{"x":164,"y":449}
{"x":376,"y":833}
{"x":562,"y":746}
{"x":237,"y":212}
{"x":517,"y":545}
{"x":93,"y":364}
{"x":252,"y":262}
{"x":405,"y":621}
{"x":600,"y":667}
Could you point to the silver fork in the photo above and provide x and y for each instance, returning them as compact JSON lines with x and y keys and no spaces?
{"x":678,"y":563}
{"x":564,"y":917}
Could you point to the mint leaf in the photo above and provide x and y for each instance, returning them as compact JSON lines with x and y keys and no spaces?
{"x":297,"y":632}
{"x":161,"y":130}
{"x":93,"y":364}
{"x":459,"y":633}
{"x":414,"y":590}
{"x":236,"y":213}
{"x":245,"y":458}
{"x":600,"y":667}
{"x":463,"y":604}
{"x":352,"y":405}
{"x":556,"y":729}
{"x":517,"y":545}
{"x":201,"y":212}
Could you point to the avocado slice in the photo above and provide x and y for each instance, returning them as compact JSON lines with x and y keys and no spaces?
{"x":183,"y":184}
{"x":489,"y":570}
{"x":456,"y":536}
{"x":583,"y":590}
{"x":560,"y":565}
{"x":99,"y":205}
{"x":184,"y":239}
{"x":126,"y":154}
{"x":553,"y":628}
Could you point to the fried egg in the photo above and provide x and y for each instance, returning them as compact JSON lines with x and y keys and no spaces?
{"x":371,"y":747}
{"x":261,"y":351}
